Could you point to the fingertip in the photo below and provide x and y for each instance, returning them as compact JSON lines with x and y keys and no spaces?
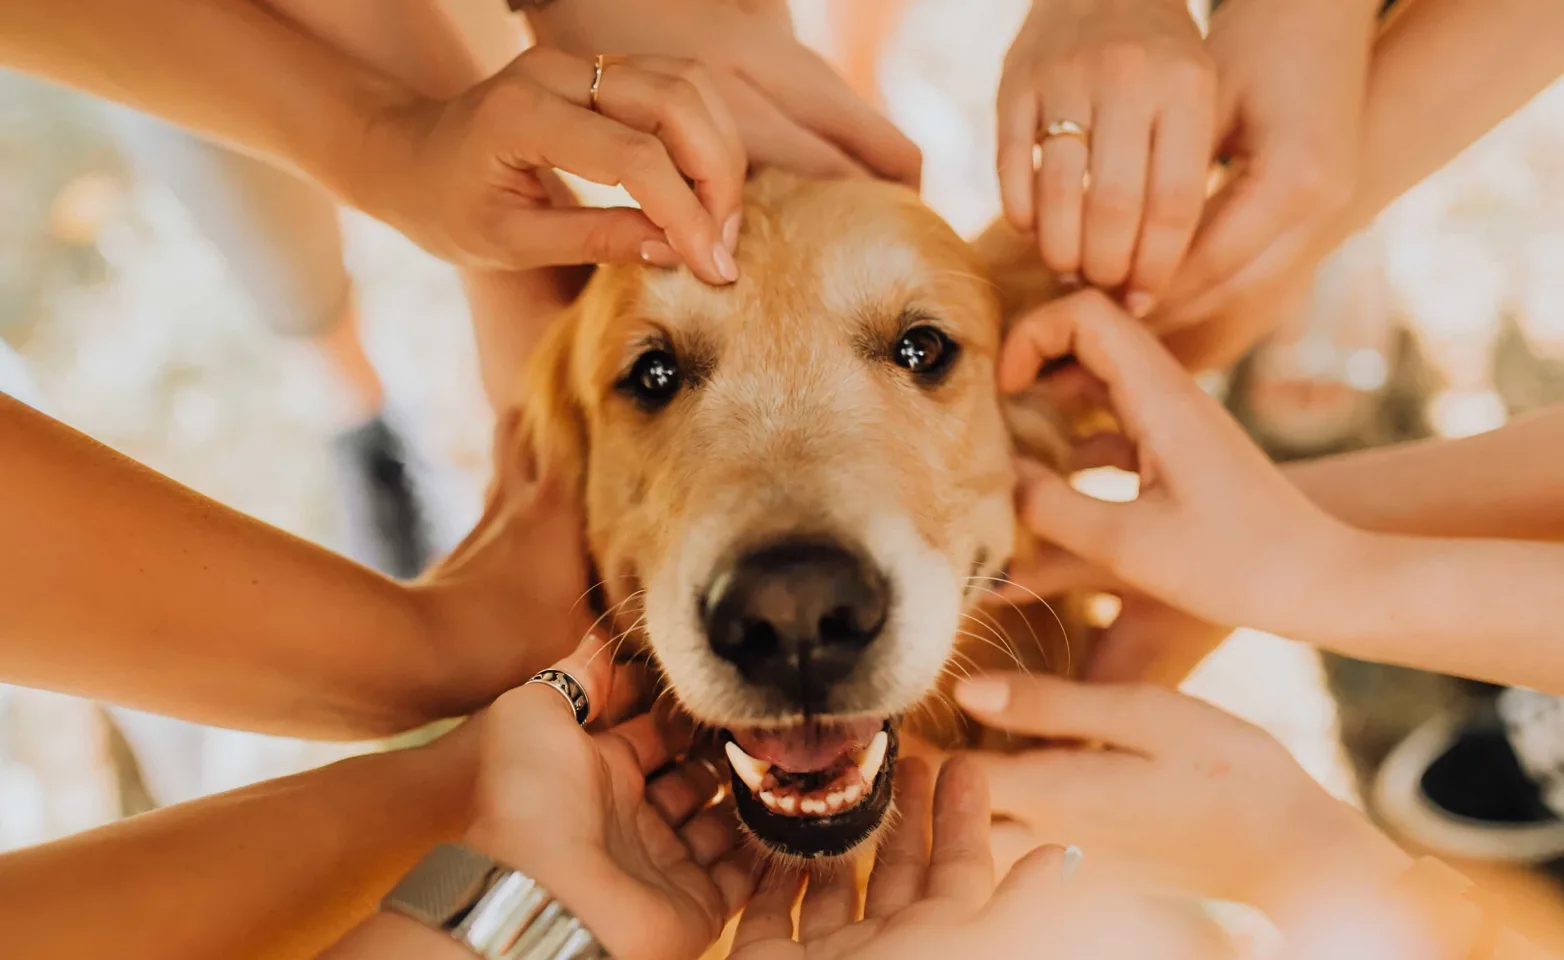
{"x":984,"y":695}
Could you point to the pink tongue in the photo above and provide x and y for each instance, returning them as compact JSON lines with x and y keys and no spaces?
{"x":808,"y":747}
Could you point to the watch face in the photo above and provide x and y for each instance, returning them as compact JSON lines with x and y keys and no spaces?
{"x":443,"y":886}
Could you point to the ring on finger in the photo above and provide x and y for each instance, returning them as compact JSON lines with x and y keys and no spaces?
{"x":568,"y":687}
{"x":599,"y":64}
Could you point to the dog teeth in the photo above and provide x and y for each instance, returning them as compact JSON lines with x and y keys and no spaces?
{"x":869,"y":766}
{"x":852,"y":793}
{"x":812,"y":806}
{"x":751,"y":771}
{"x":769,"y":799}
{"x":788,"y":804}
{"x":834,"y":801}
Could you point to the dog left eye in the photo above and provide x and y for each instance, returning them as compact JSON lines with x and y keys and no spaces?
{"x":654,"y":379}
{"x":924,"y":350}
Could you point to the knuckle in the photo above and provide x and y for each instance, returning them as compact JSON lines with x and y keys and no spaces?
{"x":1060,"y":181}
{"x":1124,"y":62}
{"x":643,"y":153}
{"x":1114,"y":203}
{"x":1175,"y":205}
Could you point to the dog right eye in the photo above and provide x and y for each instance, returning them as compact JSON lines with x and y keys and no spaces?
{"x":654,"y":379}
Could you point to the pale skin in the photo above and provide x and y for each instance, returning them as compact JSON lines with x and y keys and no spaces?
{"x":1233,"y":817}
{"x":136,"y":590}
{"x":1218,"y":530}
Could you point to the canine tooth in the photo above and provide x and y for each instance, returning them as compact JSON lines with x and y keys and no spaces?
{"x":869,"y":766}
{"x":789,"y":804}
{"x":852,"y":793}
{"x":750,"y":770}
{"x":768,"y":798}
{"x":813,"y":806}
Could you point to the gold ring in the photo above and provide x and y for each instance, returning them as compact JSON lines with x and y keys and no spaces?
{"x":1066,"y":128}
{"x":597,"y":80}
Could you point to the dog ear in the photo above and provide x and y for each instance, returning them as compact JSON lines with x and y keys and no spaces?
{"x":552,"y":430}
{"x":1011,"y":261}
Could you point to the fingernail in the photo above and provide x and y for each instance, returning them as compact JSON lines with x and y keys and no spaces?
{"x":730,"y":231}
{"x":983,"y":694}
{"x":659,"y":254}
{"x":723,"y":261}
{"x":1072,"y":863}
{"x":1139,"y":304}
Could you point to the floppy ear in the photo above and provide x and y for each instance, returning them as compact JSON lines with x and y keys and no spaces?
{"x":552,"y":428}
{"x":1013,"y":264}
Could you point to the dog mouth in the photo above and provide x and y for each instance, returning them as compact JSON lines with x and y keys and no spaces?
{"x":815,"y":789}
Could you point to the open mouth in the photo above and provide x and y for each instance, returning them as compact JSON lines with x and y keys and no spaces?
{"x":817,"y":789}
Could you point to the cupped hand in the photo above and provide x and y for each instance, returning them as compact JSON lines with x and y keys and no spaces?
{"x":1184,"y":797}
{"x":617,"y":826}
{"x":466,"y":178}
{"x":1215,"y":528}
{"x":1119,"y":205}
{"x":792,"y":110}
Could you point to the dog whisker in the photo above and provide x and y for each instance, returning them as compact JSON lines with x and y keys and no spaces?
{"x":1064,"y":633}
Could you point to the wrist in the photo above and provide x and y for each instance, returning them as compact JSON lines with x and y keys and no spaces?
{"x":375,"y":149}
{"x":1334,"y":857}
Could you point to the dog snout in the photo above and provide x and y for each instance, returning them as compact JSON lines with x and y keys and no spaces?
{"x":796,"y":616}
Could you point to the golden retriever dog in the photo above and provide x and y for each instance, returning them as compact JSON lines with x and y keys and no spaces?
{"x":798,"y":487}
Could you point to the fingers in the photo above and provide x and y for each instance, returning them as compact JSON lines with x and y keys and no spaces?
{"x":645,"y":740}
{"x":1050,"y":571}
{"x":774,"y":139}
{"x":1243,"y":219}
{"x":1018,"y":126}
{"x":1140,"y":718}
{"x":1060,"y":189}
{"x":711,"y":835}
{"x":1120,"y":149}
{"x":961,"y":863}
{"x":903,"y":857}
{"x":563,"y":134}
{"x":830,"y":902}
{"x":683,"y":791}
{"x":674,"y":100}
{"x":1037,"y":876}
{"x":735,"y":876}
{"x":1151,"y":642}
{"x":769,"y":915}
{"x":813,"y":94}
{"x":1176,"y":193}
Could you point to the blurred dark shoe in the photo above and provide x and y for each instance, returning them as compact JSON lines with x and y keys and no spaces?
{"x":385,"y":524}
{"x":1481,"y":786}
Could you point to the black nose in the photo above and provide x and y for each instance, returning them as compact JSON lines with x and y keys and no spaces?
{"x":795,"y":616}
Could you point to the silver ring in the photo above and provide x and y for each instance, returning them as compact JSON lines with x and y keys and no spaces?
{"x":569,"y":688}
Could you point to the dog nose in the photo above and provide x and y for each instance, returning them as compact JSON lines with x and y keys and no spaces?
{"x":795,"y":616}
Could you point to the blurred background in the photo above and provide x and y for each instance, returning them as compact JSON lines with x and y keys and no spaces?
{"x":130,"y":319}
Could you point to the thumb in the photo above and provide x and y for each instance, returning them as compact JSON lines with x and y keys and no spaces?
{"x":1056,"y":512}
{"x":533,"y":237}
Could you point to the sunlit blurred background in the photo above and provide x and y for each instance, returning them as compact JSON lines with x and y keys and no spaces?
{"x":1447,"y":317}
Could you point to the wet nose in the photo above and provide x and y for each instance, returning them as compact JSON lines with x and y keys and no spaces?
{"x":796,"y":616}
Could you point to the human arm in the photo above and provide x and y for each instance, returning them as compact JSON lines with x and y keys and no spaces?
{"x":1444,"y":72}
{"x":277,"y":870}
{"x":1175,"y":794}
{"x":1219,"y":531}
{"x":459,"y":174}
{"x":121,"y":585}
{"x":792,"y":109}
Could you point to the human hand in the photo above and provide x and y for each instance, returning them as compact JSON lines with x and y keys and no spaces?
{"x":793,"y":111}
{"x":1184,"y":797}
{"x":1216,"y":528}
{"x":466,"y":178}
{"x":1135,"y":75}
{"x":1292,"y":80}
{"x":511,"y":598}
{"x":645,"y":864}
{"x":924,"y":900}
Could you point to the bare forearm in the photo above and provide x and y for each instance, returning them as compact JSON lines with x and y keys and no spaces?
{"x":121,"y":585}
{"x":1485,"y":609}
{"x":1444,"y":73}
{"x":1507,"y":484}
{"x":232,"y":69}
{"x":279,"y":870}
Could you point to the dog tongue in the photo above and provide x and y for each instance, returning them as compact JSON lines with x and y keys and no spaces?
{"x":810,"y":746}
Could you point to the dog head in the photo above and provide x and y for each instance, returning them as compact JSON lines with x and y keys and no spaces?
{"x":795,"y":485}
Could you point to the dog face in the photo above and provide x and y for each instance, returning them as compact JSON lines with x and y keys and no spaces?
{"x":794,"y":485}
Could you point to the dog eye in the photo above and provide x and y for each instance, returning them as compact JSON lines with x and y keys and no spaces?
{"x":925,"y":351}
{"x":654,"y":379}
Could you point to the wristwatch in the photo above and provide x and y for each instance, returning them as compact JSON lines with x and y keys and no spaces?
{"x":495,"y":911}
